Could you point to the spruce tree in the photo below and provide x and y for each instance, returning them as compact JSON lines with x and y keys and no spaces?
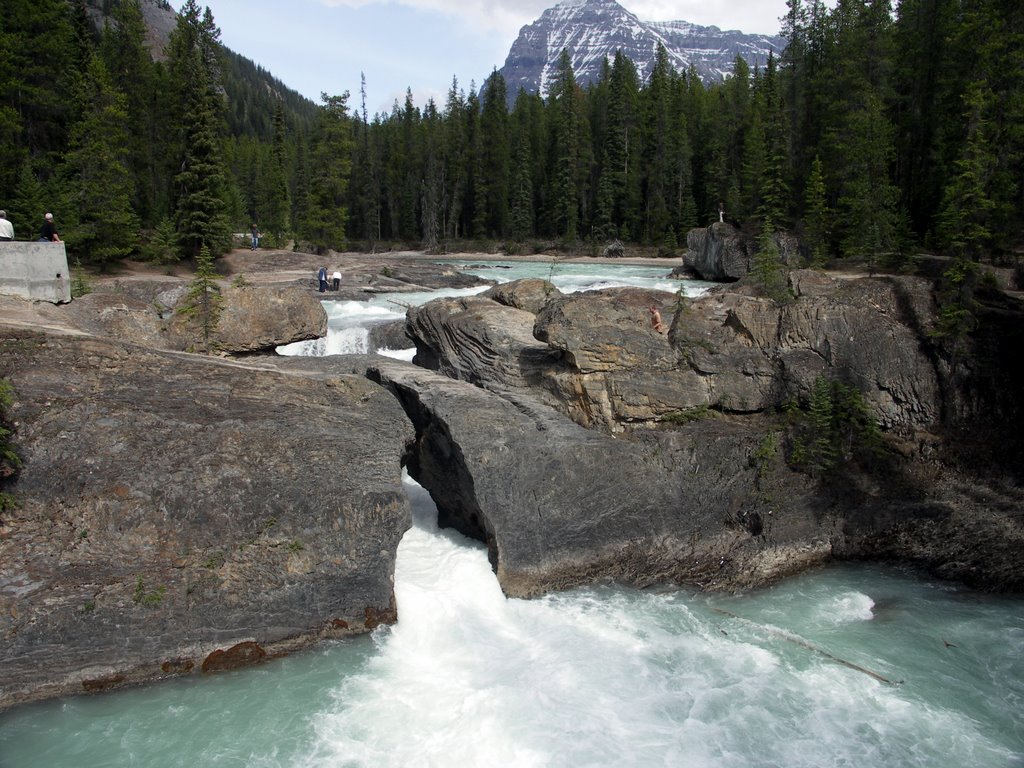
{"x":565,"y":188}
{"x":277,"y":218}
{"x":495,"y":156}
{"x":200,"y":186}
{"x":37,"y":74}
{"x":330,"y":164}
{"x":123,"y":50}
{"x":521,"y":193}
{"x":30,"y":198}
{"x":964,"y":220}
{"x":455,"y":157}
{"x":101,"y":227}
{"x":817,"y":224}
{"x":657,"y":160}
{"x":202,"y":303}
{"x":432,"y":182}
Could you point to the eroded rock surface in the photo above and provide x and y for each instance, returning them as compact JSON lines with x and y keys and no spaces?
{"x":170,"y":506}
{"x":256,"y":319}
{"x":712,"y":500}
{"x":723,"y":253}
{"x":560,"y":505}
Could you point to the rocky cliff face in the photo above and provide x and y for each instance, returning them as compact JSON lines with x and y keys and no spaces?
{"x":594,"y":29}
{"x":159,"y":16}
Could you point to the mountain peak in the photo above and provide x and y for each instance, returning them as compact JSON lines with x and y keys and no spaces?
{"x":594,"y":29}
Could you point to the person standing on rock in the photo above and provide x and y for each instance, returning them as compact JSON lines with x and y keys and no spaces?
{"x":656,"y":322}
{"x":336,"y":280}
{"x":322,"y":277}
{"x":48,"y":232}
{"x":6,"y":228}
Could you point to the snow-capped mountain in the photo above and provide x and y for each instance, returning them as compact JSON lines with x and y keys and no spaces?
{"x":593,"y":29}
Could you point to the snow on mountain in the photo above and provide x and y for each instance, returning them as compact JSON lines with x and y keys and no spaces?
{"x":594,"y":29}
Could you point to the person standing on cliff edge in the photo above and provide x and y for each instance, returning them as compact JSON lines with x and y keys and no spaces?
{"x":6,"y":228}
{"x":322,"y":277}
{"x":48,"y":232}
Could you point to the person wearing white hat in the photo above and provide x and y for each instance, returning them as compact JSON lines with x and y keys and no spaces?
{"x":48,"y":233}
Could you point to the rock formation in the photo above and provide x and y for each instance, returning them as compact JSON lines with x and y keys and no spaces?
{"x":171,"y":508}
{"x":699,"y":485}
{"x":256,"y":319}
{"x":722,"y":253}
{"x":179,"y":513}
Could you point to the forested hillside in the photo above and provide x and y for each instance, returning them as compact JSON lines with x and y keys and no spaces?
{"x":878,"y":131}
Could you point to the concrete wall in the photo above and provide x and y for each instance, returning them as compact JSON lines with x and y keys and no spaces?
{"x":36,"y":271}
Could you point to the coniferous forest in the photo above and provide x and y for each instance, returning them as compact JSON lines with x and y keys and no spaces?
{"x":878,"y":132}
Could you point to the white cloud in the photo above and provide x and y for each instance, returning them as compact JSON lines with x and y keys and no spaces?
{"x":505,"y":17}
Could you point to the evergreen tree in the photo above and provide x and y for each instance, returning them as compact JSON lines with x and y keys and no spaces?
{"x":301,"y":197}
{"x":330,"y":165}
{"x":768,"y":270}
{"x":495,"y":156}
{"x":859,"y":140}
{"x":203,"y":303}
{"x":565,"y":187}
{"x":277,"y":215}
{"x":163,"y":247}
{"x":123,"y":49}
{"x":36,"y":80}
{"x":475,"y":205}
{"x":200,"y":185}
{"x":101,"y":227}
{"x":433,"y":178}
{"x":775,"y":195}
{"x":455,"y":157}
{"x":817,"y":219}
{"x":30,"y":198}
{"x":410,"y":163}
{"x":924,"y":76}
{"x":754,"y":170}
{"x":621,"y":153}
{"x":365,"y":183}
{"x":964,"y":220}
{"x":522,"y":206}
{"x":657,"y":149}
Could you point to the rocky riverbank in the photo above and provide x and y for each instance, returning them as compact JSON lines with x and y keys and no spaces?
{"x":178,"y":513}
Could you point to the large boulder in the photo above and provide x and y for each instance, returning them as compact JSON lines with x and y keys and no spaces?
{"x":177,"y":513}
{"x":731,"y":350}
{"x":478,"y":340}
{"x":560,"y":505}
{"x":718,"y":252}
{"x":723,"y":253}
{"x":530,"y":294}
{"x":255,"y":318}
{"x":711,"y":503}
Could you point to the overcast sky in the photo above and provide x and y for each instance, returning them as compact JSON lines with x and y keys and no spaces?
{"x":316,"y":46}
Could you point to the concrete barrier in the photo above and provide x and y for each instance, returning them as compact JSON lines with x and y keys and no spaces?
{"x":36,"y":271}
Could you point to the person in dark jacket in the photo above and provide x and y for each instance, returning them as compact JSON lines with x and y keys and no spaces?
{"x":48,"y":232}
